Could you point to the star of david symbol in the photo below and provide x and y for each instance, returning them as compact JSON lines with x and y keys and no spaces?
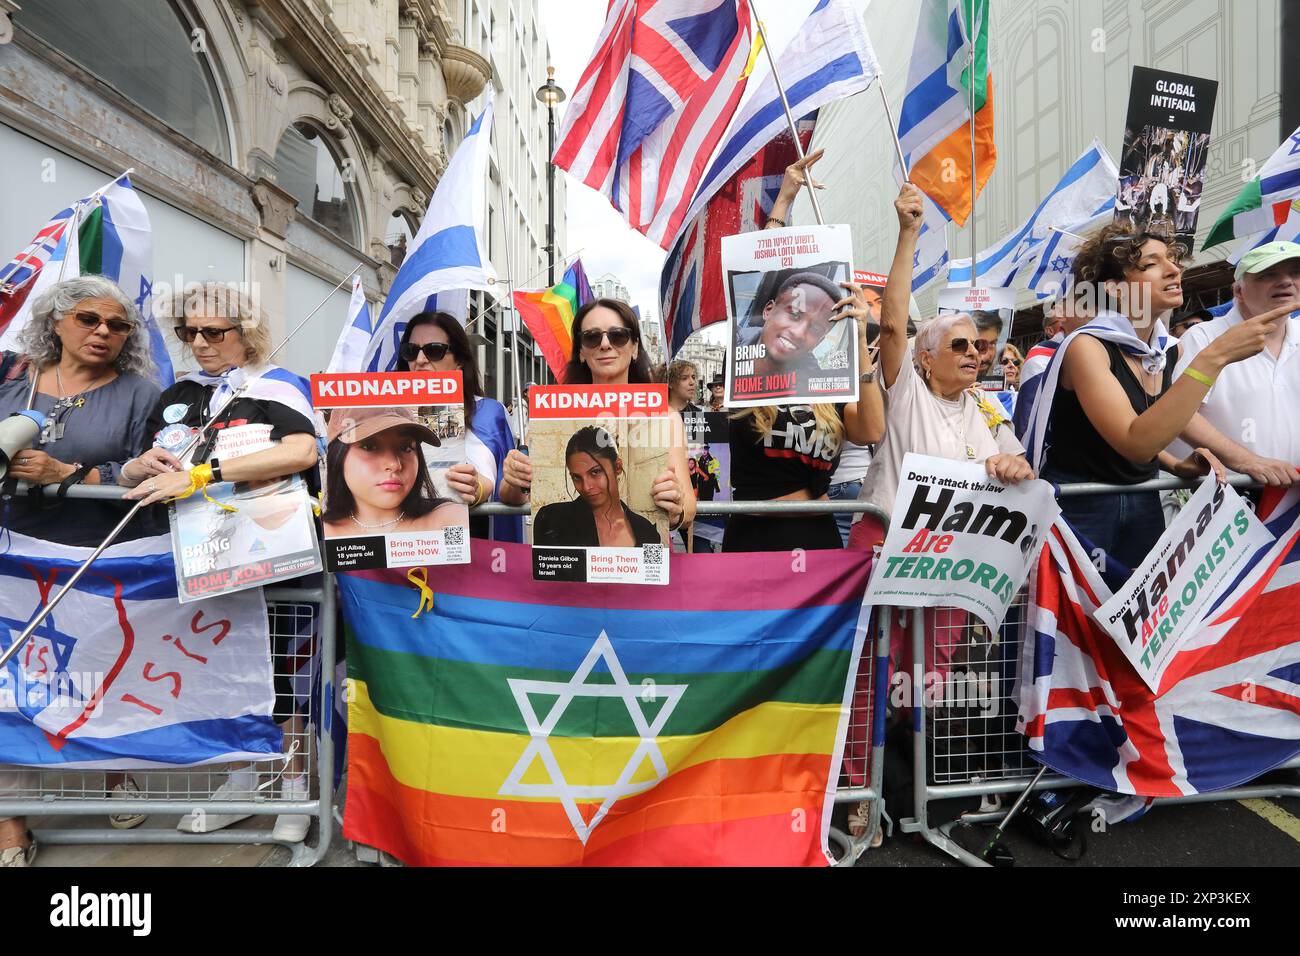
{"x":59,"y":680}
{"x":916,"y":259}
{"x":539,"y":730}
{"x":146,"y":290}
{"x":1060,"y":264}
{"x":1295,"y":144}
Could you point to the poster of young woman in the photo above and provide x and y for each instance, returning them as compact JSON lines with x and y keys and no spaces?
{"x":382,"y":507}
{"x":596,"y":451}
{"x":787,"y":345}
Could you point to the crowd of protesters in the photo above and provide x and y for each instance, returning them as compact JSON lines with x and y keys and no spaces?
{"x":1109,"y":396}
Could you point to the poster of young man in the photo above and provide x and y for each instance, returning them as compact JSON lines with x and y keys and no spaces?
{"x":787,"y":345}
{"x":992,"y":311}
{"x":242,"y":534}
{"x":382,"y":507}
{"x":1166,"y":142}
{"x":708,"y":461}
{"x":596,"y":452}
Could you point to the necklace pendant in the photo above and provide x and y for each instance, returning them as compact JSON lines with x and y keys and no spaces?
{"x":79,"y":403}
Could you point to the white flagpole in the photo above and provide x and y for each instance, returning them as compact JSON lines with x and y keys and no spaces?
{"x":785,"y":104}
{"x":510,"y":296}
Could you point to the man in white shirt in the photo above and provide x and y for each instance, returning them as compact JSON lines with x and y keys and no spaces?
{"x":1254,"y":402}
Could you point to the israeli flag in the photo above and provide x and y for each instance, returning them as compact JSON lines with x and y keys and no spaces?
{"x":1088,"y":184}
{"x":448,"y":256}
{"x":350,"y":350}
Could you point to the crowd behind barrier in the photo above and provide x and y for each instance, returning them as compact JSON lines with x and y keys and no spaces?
{"x":965,"y":746}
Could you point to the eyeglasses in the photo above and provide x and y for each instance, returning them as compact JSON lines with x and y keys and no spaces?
{"x":1011,"y":361}
{"x":433,"y":351}
{"x":210,"y":335}
{"x":618,"y":337}
{"x":90,"y":322}
{"x":961,"y":345}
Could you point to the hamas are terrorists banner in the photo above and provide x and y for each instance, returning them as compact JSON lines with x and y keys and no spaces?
{"x":958,"y":538}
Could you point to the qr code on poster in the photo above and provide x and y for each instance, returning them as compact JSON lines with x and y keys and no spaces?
{"x":454,"y":537}
{"x":653,"y":554}
{"x":837,"y":359}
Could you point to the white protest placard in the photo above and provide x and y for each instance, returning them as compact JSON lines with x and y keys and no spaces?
{"x":958,"y":538}
{"x":1169,"y":596}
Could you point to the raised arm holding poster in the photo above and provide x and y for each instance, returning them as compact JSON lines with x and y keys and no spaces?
{"x":382,"y":508}
{"x":595,"y":450}
{"x":782,"y":286}
{"x":960,"y":538}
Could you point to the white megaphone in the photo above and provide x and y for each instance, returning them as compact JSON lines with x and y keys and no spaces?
{"x":17,"y":432}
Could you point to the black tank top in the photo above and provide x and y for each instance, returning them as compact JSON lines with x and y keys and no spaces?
{"x":1078,"y":451}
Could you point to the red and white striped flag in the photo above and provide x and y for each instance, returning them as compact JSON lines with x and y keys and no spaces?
{"x":654,"y":101}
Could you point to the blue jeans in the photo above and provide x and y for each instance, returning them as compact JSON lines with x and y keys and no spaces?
{"x":1125,"y":526}
{"x":844,"y":491}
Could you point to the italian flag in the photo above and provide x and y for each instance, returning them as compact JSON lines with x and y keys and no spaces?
{"x":1265,"y":202}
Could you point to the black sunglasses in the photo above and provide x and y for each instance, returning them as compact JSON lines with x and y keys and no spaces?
{"x":90,"y":321}
{"x":212,"y":336}
{"x":433,"y":351}
{"x":961,"y":345}
{"x":618,"y":337}
{"x":1011,"y":361}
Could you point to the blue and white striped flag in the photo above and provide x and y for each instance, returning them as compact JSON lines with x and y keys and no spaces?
{"x":350,"y":350}
{"x":448,"y":256}
{"x":931,"y":254}
{"x":120,"y":674}
{"x":1049,"y":265}
{"x":828,"y":59}
{"x":1087,"y":185}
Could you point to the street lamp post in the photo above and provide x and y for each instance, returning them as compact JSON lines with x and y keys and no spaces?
{"x":550,"y":94}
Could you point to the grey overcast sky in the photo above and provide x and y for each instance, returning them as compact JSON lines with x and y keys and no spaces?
{"x":595,"y":227}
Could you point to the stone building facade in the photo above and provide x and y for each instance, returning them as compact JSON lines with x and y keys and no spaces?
{"x":275,"y":142}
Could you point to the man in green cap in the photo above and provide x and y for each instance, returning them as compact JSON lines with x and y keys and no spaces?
{"x":1254,"y":401}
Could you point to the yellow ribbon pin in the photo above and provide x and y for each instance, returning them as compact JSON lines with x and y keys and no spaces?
{"x":420,"y":578}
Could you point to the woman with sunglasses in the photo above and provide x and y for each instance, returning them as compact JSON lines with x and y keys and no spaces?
{"x":469,"y":466}
{"x":89,"y":350}
{"x":931,"y":408}
{"x":230,"y":340}
{"x":607,"y":351}
{"x":1109,"y":405}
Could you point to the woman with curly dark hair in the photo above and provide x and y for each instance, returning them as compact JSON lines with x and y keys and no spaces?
{"x":1110,"y":405}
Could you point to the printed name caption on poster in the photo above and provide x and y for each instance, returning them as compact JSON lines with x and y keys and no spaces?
{"x":785,"y":247}
{"x":1167,"y":599}
{"x":645,"y":565}
{"x":960,"y":538}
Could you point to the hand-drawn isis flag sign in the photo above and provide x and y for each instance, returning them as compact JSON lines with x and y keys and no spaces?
{"x":121,"y":674}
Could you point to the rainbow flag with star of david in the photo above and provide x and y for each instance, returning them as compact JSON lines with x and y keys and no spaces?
{"x":539,"y":723}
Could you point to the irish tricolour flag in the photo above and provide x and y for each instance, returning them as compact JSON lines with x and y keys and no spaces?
{"x":1265,"y":202}
{"x":539,"y":723}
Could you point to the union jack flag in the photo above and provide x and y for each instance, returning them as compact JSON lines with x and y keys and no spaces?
{"x":1229,"y":703}
{"x":653,"y":103}
{"x":690,"y":286}
{"x":18,"y":277}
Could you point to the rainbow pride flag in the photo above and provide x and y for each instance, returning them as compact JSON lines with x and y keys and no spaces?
{"x":538,"y":723}
{"x":548,"y":314}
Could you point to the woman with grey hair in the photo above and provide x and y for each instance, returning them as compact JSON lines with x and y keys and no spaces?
{"x":89,"y":352}
{"x":930,"y":406}
{"x":266,"y":433}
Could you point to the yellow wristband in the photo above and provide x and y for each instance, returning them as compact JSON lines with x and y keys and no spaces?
{"x":1201,"y":377}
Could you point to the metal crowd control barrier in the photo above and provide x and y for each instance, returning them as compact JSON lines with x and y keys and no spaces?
{"x":969,"y":747}
{"x":295,"y":613}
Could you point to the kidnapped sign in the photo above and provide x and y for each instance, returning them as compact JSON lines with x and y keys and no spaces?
{"x":958,"y":538}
